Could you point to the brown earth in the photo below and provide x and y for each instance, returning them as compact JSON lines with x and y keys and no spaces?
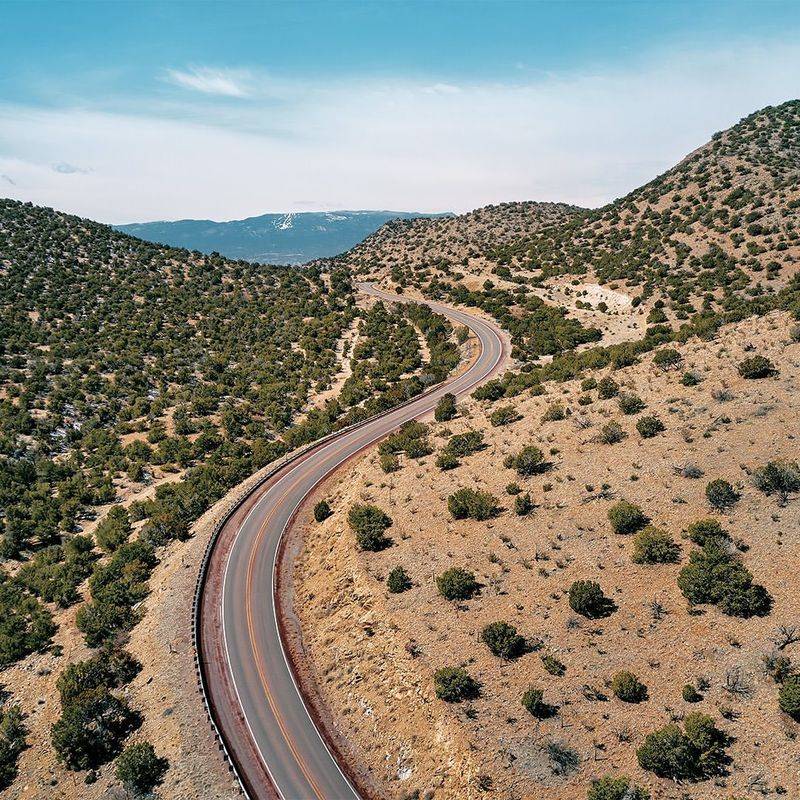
{"x":373,"y":654}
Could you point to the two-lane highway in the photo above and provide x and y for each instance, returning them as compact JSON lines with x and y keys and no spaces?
{"x":251,"y":691}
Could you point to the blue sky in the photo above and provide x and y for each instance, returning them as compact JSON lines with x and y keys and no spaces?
{"x":133,"y":111}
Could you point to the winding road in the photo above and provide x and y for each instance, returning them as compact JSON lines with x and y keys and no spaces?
{"x":250,"y":688}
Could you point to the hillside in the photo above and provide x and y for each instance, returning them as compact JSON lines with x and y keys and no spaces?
{"x":140,"y":384}
{"x":270,"y":238}
{"x":592,"y":575}
{"x":712,"y":236}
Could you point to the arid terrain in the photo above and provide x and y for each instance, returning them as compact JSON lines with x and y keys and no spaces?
{"x":653,"y":350}
{"x":374,"y":653}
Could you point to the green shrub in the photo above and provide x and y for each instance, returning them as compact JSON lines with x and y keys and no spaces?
{"x":523,"y":504}
{"x":756,"y":367}
{"x":715,"y":576}
{"x":628,"y":688}
{"x":447,"y":460}
{"x":91,"y":729}
{"x":610,"y":788}
{"x":389,"y":462}
{"x":781,"y":478}
{"x":552,"y":665}
{"x":630,"y":403}
{"x":504,"y":415}
{"x":322,"y":510}
{"x":721,"y":495}
{"x":649,"y":427}
{"x":626,"y":518}
{"x":533,"y":702}
{"x":704,"y":529}
{"x":465,"y":444}
{"x":690,"y":694}
{"x":695,"y":753}
{"x":398,"y":581}
{"x":513,"y":489}
{"x":607,"y":388}
{"x":789,"y":697}
{"x":454,"y":684}
{"x":139,"y":769}
{"x":446,"y":408}
{"x":12,"y":743}
{"x":369,"y":524}
{"x":587,"y":384}
{"x":554,"y":413}
{"x":472,"y":504}
{"x":457,"y":584}
{"x":654,"y":546}
{"x":667,"y":358}
{"x":503,"y":640}
{"x":411,"y":438}
{"x":612,"y":433}
{"x":111,"y":668}
{"x":529,"y":461}
{"x":690,"y":378}
{"x":25,"y":624}
{"x":587,"y":598}
{"x":114,"y":529}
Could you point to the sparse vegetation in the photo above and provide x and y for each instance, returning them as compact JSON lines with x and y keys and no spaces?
{"x":454,"y":684}
{"x":369,"y":524}
{"x":457,"y":584}
{"x":695,"y":753}
{"x":471,"y":504}
{"x":626,"y":518}
{"x":587,"y":598}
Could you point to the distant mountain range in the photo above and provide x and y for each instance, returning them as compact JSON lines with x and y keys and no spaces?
{"x":271,"y":238}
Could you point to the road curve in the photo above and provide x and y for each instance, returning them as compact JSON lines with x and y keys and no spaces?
{"x":251,"y":691}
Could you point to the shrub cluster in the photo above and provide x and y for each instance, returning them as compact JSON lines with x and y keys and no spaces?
{"x":695,"y":753}
{"x":626,"y":518}
{"x":714,"y":575}
{"x":369,"y":524}
{"x":457,"y":584}
{"x":587,"y":598}
{"x":454,"y":684}
{"x":472,"y":504}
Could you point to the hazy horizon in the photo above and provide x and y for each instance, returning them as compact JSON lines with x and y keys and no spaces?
{"x":155,"y":111}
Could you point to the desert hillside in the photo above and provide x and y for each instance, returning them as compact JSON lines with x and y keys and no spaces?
{"x":588,"y":570}
{"x":674,"y":429}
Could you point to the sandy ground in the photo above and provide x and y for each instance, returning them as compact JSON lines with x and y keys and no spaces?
{"x":373,"y":654}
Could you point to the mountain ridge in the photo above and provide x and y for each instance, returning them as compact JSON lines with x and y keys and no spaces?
{"x":278,"y":238}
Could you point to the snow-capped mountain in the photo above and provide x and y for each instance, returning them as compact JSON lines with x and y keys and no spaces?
{"x":271,"y":238}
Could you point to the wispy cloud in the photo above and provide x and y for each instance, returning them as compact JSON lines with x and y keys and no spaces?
{"x":208,"y":80}
{"x":387,"y":142}
{"x":63,"y":168}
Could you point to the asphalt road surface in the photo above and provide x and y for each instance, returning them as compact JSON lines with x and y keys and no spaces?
{"x":254,"y":699}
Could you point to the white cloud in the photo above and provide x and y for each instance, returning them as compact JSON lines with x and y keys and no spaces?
{"x":225,"y":82}
{"x":392,"y":144}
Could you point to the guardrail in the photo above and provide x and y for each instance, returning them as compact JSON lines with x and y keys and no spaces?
{"x":280,"y":464}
